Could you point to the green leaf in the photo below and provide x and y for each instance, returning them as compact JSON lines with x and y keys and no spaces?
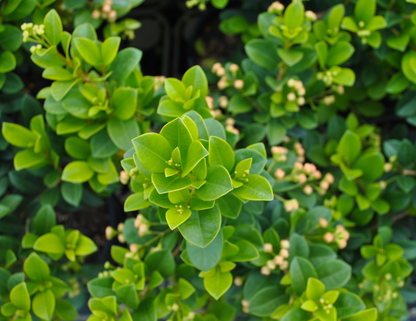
{"x":409,"y":65}
{"x":294,"y":15}
{"x":29,"y":159}
{"x":185,"y":289}
{"x":72,"y":193}
{"x":122,"y":132}
{"x":176,"y":216}
{"x":257,"y":188}
{"x":290,"y":57}
{"x":364,"y":10}
{"x":178,"y":135}
{"x":246,"y":252}
{"x":345,"y":77}
{"x":49,"y":243}
{"x":175,"y":88}
{"x":88,"y":50}
{"x":366,"y":315}
{"x":372,"y":165}
{"x":161,"y":261}
{"x":298,"y":247}
{"x":7,"y":62}
{"x":201,"y":228}
{"x":207,"y":258}
{"x":334,"y":274}
{"x":349,"y":147}
{"x":348,"y":304}
{"x":230,"y":206}
{"x":314,"y":289}
{"x":77,"y":148}
{"x":196,"y":78}
{"x":53,"y":27}
{"x":102,"y":146}
{"x":109,"y":50}
{"x":320,"y":254}
{"x":85,"y":246}
{"x":300,"y":271}
{"x":218,"y":183}
{"x":153,"y":151}
{"x":19,"y":296}
{"x":77,"y":172}
{"x":264,"y":302}
{"x":146,"y":311}
{"x":18,"y":135}
{"x":36,"y":268}
{"x":65,"y":310}
{"x":263,"y":53}
{"x":44,"y":304}
{"x":196,"y":153}
{"x":174,"y":183}
{"x":101,"y":287}
{"x":220,"y":153}
{"x":339,"y":53}
{"x":136,"y":202}
{"x":218,"y":283}
{"x":127,"y":294}
{"x":124,"y":101}
{"x":125,"y":62}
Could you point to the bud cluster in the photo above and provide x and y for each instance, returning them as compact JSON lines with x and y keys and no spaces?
{"x":288,"y":97}
{"x":340,"y":236}
{"x":105,"y":12}
{"x":142,"y":224}
{"x":276,"y":8}
{"x":226,"y":81}
{"x":278,"y":260}
{"x":229,"y":126}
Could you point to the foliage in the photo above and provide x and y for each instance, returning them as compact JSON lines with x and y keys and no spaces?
{"x":277,"y":194}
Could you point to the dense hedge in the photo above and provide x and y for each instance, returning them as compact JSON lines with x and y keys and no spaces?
{"x":281,"y":189}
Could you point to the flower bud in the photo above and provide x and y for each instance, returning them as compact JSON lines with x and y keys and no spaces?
{"x":215,"y":67}
{"x":342,"y":244}
{"x":317,"y":175}
{"x":310,"y":15}
{"x":220,"y":71}
{"x":328,"y":237}
{"x":301,"y":91}
{"x":291,"y":82}
{"x":301,"y":101}
{"x":388,"y":167}
{"x":112,"y":16}
{"x":302,"y":179}
{"x":239,"y":84}
{"x":210,"y":102}
{"x":120,"y":227}
{"x":329,"y":100}
{"x":271,"y":265}
{"x":133,"y":248}
{"x":268,"y":248}
{"x":265,"y":270}
{"x":121,"y":238}
{"x":143,"y":229}
{"x":110,"y":232}
{"x":284,"y":244}
{"x":245,"y":303}
{"x":124,"y":177}
{"x":238,"y":281}
{"x":382,"y":184}
{"x":329,"y":178}
{"x":276,"y":7}
{"x":234,"y":68}
{"x":323,"y":222}
{"x":309,"y":168}
{"x":278,"y":260}
{"x":308,"y":190}
{"x":223,"y":102}
{"x":284,"y":265}
{"x":279,"y":173}
{"x":106,"y":8}
{"x":291,"y":97}
{"x":324,"y":185}
{"x":284,"y":253}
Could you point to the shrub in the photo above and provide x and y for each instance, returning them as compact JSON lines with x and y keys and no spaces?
{"x":284,"y":191}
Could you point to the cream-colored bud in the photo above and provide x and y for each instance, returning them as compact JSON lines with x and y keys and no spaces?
{"x":284,"y":265}
{"x":276,"y":7}
{"x":284,"y":253}
{"x":133,"y":248}
{"x":215,"y":67}
{"x":301,"y":91}
{"x":268,"y":248}
{"x":121,"y":238}
{"x":308,"y":190}
{"x":291,"y":97}
{"x":143,"y":229}
{"x":329,"y":178}
{"x":220,"y":71}
{"x":120,"y":227}
{"x":210,"y":102}
{"x":124,"y":177}
{"x":388,"y":167}
{"x":271,"y":265}
{"x":238,"y":281}
{"x":317,"y":175}
{"x":106,"y":8}
{"x":96,"y":14}
{"x":328,"y":237}
{"x":301,"y":101}
{"x":324,"y":185}
{"x":278,"y":260}
{"x":302,"y":178}
{"x":245,"y":303}
{"x":284,"y":244}
{"x":342,"y":244}
{"x":279,"y":173}
{"x":239,"y":84}
{"x":323,"y":222}
{"x":234,"y":68}
{"x":310,"y":15}
{"x":223,"y":102}
{"x":265,"y":270}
